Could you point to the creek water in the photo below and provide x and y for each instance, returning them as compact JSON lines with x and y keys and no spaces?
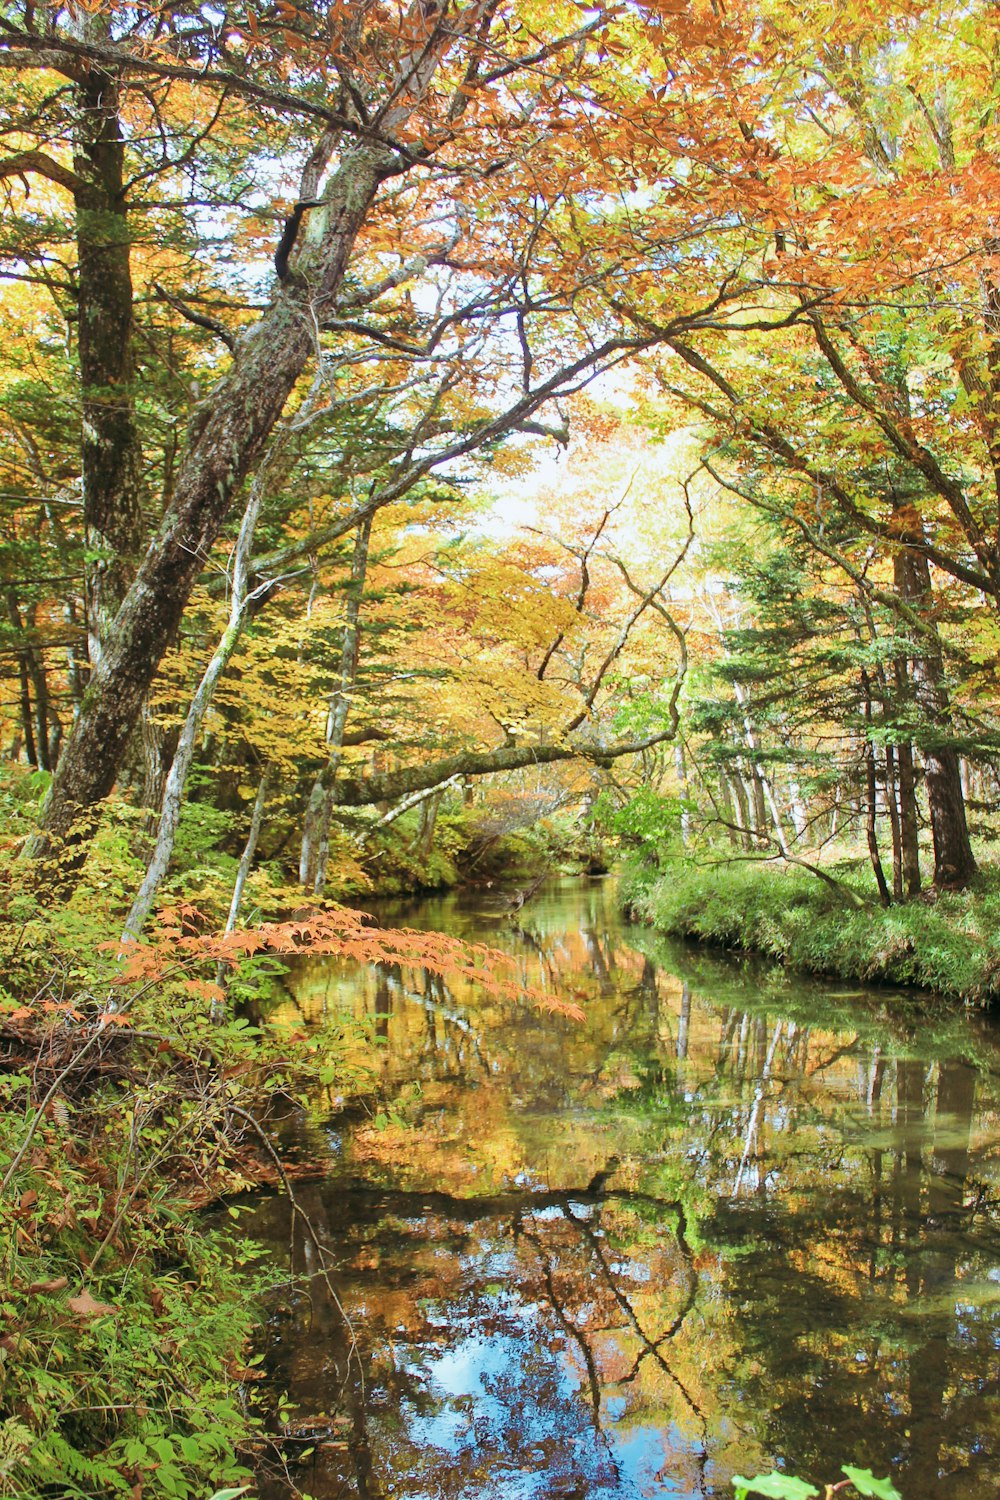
{"x":733,"y":1220}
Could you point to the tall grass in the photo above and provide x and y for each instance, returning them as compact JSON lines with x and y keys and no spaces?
{"x":950,"y":945}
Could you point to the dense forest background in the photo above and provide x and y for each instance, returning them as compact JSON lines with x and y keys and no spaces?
{"x":461,"y":442}
{"x":738,"y":267}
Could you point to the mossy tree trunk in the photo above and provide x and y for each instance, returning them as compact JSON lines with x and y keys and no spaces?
{"x":111,"y":452}
{"x":227,"y":440}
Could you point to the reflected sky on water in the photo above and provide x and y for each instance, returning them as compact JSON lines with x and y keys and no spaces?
{"x":733,"y":1219}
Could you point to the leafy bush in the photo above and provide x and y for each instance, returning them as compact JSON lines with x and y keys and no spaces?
{"x":648,"y":822}
{"x":122,"y":1345}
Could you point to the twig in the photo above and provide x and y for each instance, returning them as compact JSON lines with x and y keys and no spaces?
{"x":307,"y":1223}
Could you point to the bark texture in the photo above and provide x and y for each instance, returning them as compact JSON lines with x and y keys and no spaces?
{"x":954,"y":862}
{"x":226,"y":443}
{"x":387,"y":787}
{"x":176,"y":778}
{"x":111,"y":450}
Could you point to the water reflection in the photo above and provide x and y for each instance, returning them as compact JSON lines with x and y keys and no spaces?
{"x":731,"y":1219}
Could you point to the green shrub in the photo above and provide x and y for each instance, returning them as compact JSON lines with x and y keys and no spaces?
{"x":778,"y":1486}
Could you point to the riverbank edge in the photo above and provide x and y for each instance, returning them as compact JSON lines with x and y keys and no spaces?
{"x":948,"y":945}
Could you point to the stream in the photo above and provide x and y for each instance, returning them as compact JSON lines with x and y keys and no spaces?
{"x":734,"y":1220}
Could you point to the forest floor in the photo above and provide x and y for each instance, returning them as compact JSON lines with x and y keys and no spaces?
{"x":947,"y":942}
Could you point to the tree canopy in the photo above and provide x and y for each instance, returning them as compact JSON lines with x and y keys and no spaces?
{"x":293,"y":290}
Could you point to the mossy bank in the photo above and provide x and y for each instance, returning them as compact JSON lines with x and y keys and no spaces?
{"x":949,"y":944}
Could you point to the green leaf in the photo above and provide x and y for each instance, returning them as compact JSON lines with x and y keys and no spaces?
{"x":775,"y":1486}
{"x":865,"y":1483}
{"x":229,"y":1494}
{"x":40,"y":782}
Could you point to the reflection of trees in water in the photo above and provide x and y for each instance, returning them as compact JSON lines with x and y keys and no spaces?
{"x":878,"y":1349}
{"x":583,"y":1305}
{"x":829,"y":1309}
{"x":873,"y":1348}
{"x":937,"y":1418}
{"x":436,"y":1032}
{"x":576,"y":1297}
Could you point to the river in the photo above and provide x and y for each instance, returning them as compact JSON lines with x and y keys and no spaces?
{"x":732,"y":1220}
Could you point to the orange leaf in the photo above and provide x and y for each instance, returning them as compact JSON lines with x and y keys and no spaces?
{"x":55,"y":1285}
{"x":85,"y":1306}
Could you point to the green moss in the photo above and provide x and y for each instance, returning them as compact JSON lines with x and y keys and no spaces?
{"x":950,"y":945}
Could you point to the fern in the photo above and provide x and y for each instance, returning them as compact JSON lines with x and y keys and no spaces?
{"x":54,"y":1456}
{"x":15,"y":1442}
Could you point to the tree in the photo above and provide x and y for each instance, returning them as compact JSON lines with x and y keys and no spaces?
{"x":448,"y":134}
{"x":881,"y":396}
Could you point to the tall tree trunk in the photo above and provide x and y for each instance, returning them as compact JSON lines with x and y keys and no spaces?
{"x":46,"y":723}
{"x":428,"y":824}
{"x":227,"y":441}
{"x":743,"y":808}
{"x":763,"y":792}
{"x":871,"y":797}
{"x":111,"y":450}
{"x":908,"y":820}
{"x":775,"y":811}
{"x":907,"y":795}
{"x":800,"y":818}
{"x":729,"y":812}
{"x":27,"y":728}
{"x":954,"y":862}
{"x":759,"y":811}
{"x":684,"y":790}
{"x":315,"y":854}
{"x":241,"y":602}
{"x":892,"y":804}
{"x":173,"y":790}
{"x":35,"y":757}
{"x":888,"y":699}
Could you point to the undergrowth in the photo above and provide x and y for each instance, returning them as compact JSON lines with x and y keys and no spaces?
{"x":123,"y":1323}
{"x":120,"y":1360}
{"x":135,"y":1087}
{"x":950,"y":945}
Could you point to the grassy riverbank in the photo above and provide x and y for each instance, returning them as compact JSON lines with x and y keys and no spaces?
{"x":950,"y":944}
